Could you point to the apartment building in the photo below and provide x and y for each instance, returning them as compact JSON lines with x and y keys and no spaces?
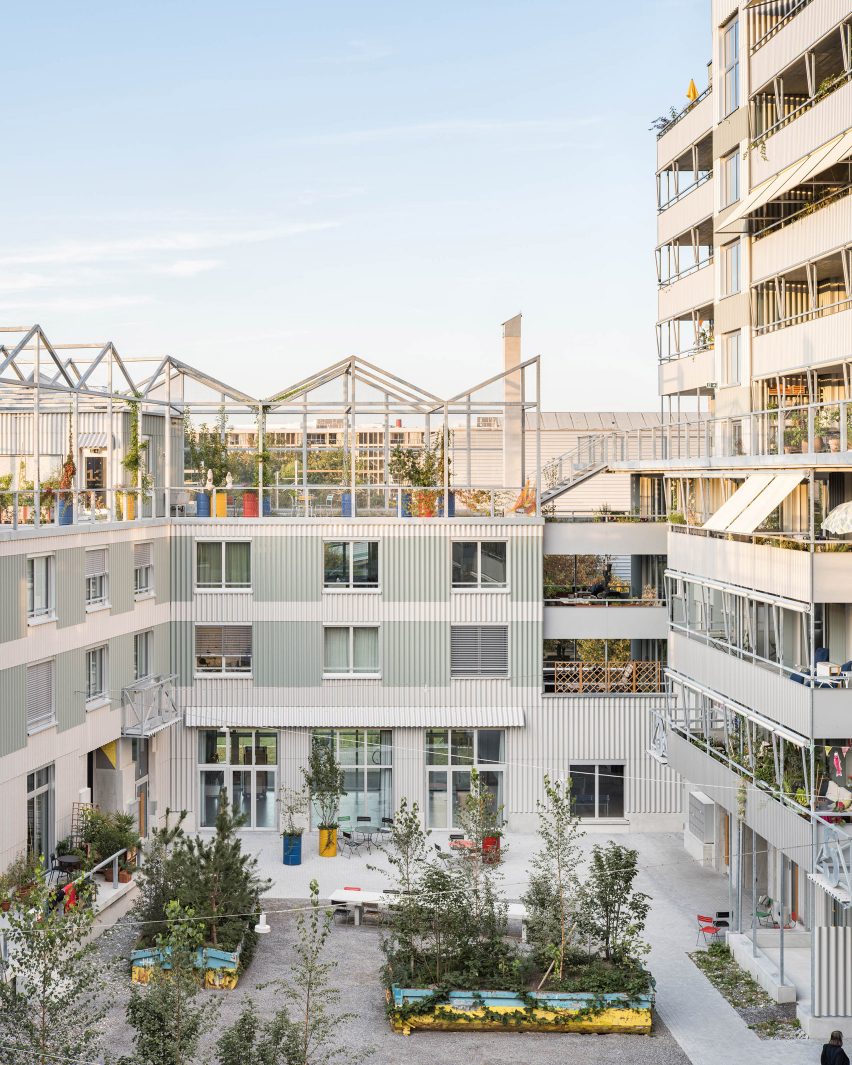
{"x":165,"y":638}
{"x":754,"y":333}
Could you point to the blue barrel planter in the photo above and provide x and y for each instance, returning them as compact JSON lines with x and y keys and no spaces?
{"x":267,"y":506}
{"x":291,"y":850}
{"x":65,"y":509}
{"x":451,"y":505}
{"x":202,"y":505}
{"x":405,"y":505}
{"x":345,"y":506}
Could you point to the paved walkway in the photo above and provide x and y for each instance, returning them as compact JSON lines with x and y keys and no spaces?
{"x":708,"y":1029}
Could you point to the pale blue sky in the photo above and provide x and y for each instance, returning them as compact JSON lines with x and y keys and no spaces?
{"x":262,"y":188}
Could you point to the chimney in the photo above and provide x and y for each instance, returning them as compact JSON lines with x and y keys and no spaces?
{"x":513,"y":432}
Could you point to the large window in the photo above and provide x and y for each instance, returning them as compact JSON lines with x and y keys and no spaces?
{"x":40,"y":696}
{"x":731,"y":64}
{"x":40,"y":817}
{"x":731,"y":358}
{"x":351,"y":564}
{"x":731,"y":268}
{"x":143,"y":662}
{"x":597,"y":790}
{"x":479,"y":564}
{"x":40,"y":591}
{"x":246,"y":764}
{"x":224,"y":649}
{"x":143,"y":570}
{"x":479,"y":651}
{"x":97,"y":578}
{"x":351,"y":649}
{"x":366,"y":758}
{"x":97,"y":688}
{"x":731,"y":178}
{"x":450,"y":754}
{"x":223,"y":564}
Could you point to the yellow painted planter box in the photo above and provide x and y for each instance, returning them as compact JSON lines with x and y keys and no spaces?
{"x":328,"y":842}
{"x":505,"y":1011}
{"x":221,"y":967}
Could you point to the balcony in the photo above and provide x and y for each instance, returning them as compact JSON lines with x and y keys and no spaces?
{"x":634,"y":619}
{"x":781,"y":39}
{"x":689,"y":374}
{"x":688,"y":291}
{"x":597,"y":678}
{"x":813,"y":233}
{"x":685,"y":128}
{"x":149,"y":706}
{"x":691,"y":206}
{"x":629,"y":536}
{"x":808,"y":343}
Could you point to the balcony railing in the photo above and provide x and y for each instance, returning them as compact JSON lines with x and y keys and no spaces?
{"x":673,"y":121}
{"x":828,"y":86}
{"x":767,"y":18}
{"x":635,"y":677}
{"x":149,"y":706}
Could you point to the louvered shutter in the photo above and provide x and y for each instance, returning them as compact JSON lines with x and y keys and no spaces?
{"x":96,"y":563}
{"x":208,"y":640}
{"x":464,"y":651}
{"x":142,"y":555}
{"x":39,"y":695}
{"x":236,"y":640}
{"x":479,"y":651}
{"x":494,"y":650}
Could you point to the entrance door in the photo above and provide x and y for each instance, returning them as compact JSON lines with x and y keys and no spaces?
{"x":94,"y":480}
{"x":253,"y":795}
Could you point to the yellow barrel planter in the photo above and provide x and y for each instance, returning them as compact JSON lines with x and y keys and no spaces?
{"x":506,"y":1011}
{"x":328,"y":842}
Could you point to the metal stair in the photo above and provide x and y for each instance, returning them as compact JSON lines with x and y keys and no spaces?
{"x":590,"y":457}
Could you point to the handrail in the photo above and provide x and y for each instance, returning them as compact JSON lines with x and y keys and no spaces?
{"x":685,"y":273}
{"x":90,"y":873}
{"x":803,"y":316}
{"x":798,"y":6}
{"x":684,"y":192}
{"x":673,"y":121}
{"x":592,"y":600}
{"x":840,"y":80}
{"x":806,"y":209}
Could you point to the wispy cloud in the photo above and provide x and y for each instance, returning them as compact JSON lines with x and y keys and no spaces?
{"x":89,"y":251}
{"x":188,"y":267}
{"x":454,"y":127}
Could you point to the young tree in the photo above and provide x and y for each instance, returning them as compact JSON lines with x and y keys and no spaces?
{"x":165,"y":1015}
{"x":324,"y":781}
{"x":405,"y":846}
{"x":251,"y":1041}
{"x":553,"y":878}
{"x":155,"y":889}
{"x":608,"y":909}
{"x":52,"y":965}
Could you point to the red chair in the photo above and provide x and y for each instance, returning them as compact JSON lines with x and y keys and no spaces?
{"x":705,"y":928}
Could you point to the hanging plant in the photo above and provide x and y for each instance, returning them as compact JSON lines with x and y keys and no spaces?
{"x":137,"y":448}
{"x":69,"y":467}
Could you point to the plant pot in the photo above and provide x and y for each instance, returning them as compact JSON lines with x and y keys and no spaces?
{"x":451,"y":505}
{"x":267,"y":507}
{"x":65,"y":510}
{"x":124,"y":876}
{"x":491,"y":849}
{"x":328,"y":842}
{"x":804,"y":445}
{"x":221,"y":505}
{"x":292,"y":849}
{"x":202,"y":505}
{"x":6,"y":905}
{"x":250,"y":504}
{"x":346,"y":505}
{"x":834,"y":443}
{"x":788,"y":449}
{"x":818,"y":444}
{"x":130,"y":507}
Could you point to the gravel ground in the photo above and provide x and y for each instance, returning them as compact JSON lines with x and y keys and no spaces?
{"x":359,"y":958}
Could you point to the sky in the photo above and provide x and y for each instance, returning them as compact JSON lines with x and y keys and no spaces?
{"x":261,"y":189}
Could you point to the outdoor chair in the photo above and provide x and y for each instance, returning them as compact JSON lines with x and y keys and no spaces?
{"x":706,"y":928}
{"x":387,"y":821}
{"x":365,"y":819}
{"x":722,"y":919}
{"x":763,"y":910}
{"x":456,"y":835}
{"x":342,"y":910}
{"x":349,"y":843}
{"x":821,"y":654}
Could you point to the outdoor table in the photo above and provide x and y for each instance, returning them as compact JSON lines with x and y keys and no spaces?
{"x":69,"y":863}
{"x":461,"y":844}
{"x":516,"y":911}
{"x":356,"y":900}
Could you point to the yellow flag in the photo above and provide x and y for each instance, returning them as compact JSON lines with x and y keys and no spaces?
{"x":692,"y":92}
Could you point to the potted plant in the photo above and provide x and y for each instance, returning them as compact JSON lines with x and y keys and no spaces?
{"x":106,"y":832}
{"x":294,"y":804}
{"x":423,"y":471}
{"x":794,"y":433}
{"x":482,"y":820}
{"x":67,"y":473}
{"x":19,"y":878}
{"x":5,"y":893}
{"x":827,"y":422}
{"x":324,"y":782}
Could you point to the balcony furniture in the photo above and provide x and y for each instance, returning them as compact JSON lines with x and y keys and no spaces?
{"x":356,"y":900}
{"x":350,"y":843}
{"x":707,"y":928}
{"x":763,"y":911}
{"x":828,"y":669}
{"x":388,"y":821}
{"x":722,"y":919}
{"x":821,"y":655}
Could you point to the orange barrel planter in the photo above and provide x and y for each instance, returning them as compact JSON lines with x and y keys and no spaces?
{"x":491,"y":849}
{"x":250,"y":505}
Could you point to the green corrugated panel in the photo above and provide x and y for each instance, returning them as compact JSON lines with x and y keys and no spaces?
{"x":415,"y":653}
{"x":13,"y":596}
{"x":181,"y":652}
{"x":70,"y":679}
{"x":162,"y":569}
{"x":182,"y":551}
{"x":162,"y":649}
{"x":287,"y":568}
{"x":121,"y":576}
{"x":525,"y":569}
{"x":415,"y":569}
{"x":13,"y":717}
{"x":120,"y":665}
{"x":287,"y":654}
{"x":525,"y":653}
{"x":70,"y":587}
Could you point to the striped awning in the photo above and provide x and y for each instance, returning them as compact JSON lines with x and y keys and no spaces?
{"x":87,"y":440}
{"x":354,"y":717}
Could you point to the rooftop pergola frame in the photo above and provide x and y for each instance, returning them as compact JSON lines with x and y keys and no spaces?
{"x":345,"y":421}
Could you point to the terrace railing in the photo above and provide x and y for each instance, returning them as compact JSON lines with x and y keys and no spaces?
{"x":635,"y":677}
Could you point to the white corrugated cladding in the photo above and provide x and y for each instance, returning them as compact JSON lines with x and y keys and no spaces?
{"x":370,"y":716}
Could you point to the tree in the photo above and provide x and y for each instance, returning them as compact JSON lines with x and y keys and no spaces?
{"x":206,"y":448}
{"x":324,"y":781}
{"x":53,"y":964}
{"x":405,"y":845}
{"x":251,"y":1041}
{"x":155,"y":889}
{"x":608,"y":909}
{"x":553,"y":881}
{"x":167,"y":1020}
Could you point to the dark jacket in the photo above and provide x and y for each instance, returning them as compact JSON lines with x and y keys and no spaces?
{"x":833,"y":1055}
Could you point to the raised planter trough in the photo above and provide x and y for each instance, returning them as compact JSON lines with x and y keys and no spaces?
{"x":543,"y":1011}
{"x":221,"y":967}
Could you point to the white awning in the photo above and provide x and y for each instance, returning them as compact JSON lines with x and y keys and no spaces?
{"x":733,"y":507}
{"x":819,"y":159}
{"x":85,"y":440}
{"x":781,"y":485}
{"x":354,"y":717}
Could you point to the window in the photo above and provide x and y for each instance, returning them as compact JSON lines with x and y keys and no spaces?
{"x":223,"y":649}
{"x":366,"y":758}
{"x":40,"y":818}
{"x":351,"y":564}
{"x":40,"y":596}
{"x":97,"y":578}
{"x":731,"y":268}
{"x":143,"y":569}
{"x":246,"y":764}
{"x":730,"y":178}
{"x":731,"y":64}
{"x":142,"y":655}
{"x":598,"y":790}
{"x":96,"y":674}
{"x":479,"y":564}
{"x":479,"y":651}
{"x":450,"y":754}
{"x":351,"y":649}
{"x":40,"y":707}
{"x":731,"y":358}
{"x":223,"y":564}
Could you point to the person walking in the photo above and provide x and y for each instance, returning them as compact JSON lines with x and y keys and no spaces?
{"x":833,"y":1052}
